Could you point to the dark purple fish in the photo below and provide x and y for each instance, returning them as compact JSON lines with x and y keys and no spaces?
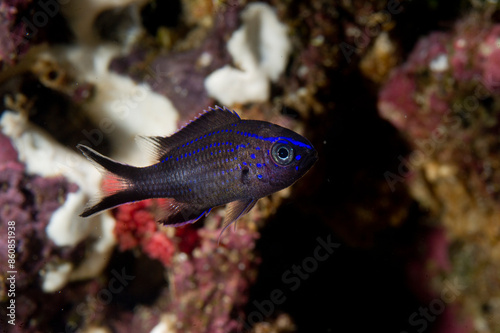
{"x":214,"y":160}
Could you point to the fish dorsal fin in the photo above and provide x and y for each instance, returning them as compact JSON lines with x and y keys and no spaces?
{"x":208,"y":120}
{"x":236,"y":209}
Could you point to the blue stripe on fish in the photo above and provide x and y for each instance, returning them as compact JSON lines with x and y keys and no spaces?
{"x":196,"y":174}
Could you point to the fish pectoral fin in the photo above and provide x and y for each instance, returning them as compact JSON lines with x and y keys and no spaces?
{"x":236,"y":209}
{"x":175,"y":214}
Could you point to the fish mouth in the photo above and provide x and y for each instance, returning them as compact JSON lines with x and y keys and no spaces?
{"x":309,"y":160}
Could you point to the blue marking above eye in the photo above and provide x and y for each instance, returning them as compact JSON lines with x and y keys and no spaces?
{"x":290,"y":140}
{"x":258,"y":165}
{"x":244,"y":163}
{"x":259,"y":176}
{"x":252,"y":156}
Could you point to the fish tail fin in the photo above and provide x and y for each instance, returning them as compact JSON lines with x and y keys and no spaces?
{"x":118,"y":185}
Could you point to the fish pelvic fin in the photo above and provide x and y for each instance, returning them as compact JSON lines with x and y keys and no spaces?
{"x":117,"y":184}
{"x":173,"y":213}
{"x":235,"y":210}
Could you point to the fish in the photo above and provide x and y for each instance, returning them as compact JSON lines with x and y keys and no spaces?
{"x":214,"y":160}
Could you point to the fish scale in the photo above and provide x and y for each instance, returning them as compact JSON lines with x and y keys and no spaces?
{"x":219,"y":154}
{"x":216,"y":159}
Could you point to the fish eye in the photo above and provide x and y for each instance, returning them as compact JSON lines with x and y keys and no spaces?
{"x":282,"y":153}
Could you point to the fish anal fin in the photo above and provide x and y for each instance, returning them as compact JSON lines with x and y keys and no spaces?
{"x":235,"y":210}
{"x":175,"y":214}
{"x":204,"y":123}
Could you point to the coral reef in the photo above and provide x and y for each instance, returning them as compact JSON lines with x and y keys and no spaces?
{"x":259,"y":58}
{"x":136,"y":226}
{"x":43,"y":156}
{"x":397,"y":223}
{"x":14,"y":36}
{"x":207,"y":299}
{"x":444,"y":100}
{"x":180,"y":74}
{"x":29,"y":201}
{"x":26,"y":23}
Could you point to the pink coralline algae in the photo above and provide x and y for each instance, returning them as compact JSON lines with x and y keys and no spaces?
{"x":208,"y":282}
{"x":29,"y":202}
{"x":444,"y":100}
{"x":136,"y":226}
{"x":189,"y":238}
{"x":13,"y":40}
{"x":210,"y":289}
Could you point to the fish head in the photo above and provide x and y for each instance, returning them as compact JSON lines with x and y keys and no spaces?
{"x":286,"y":157}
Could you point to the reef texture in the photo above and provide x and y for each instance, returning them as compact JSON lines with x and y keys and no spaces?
{"x":26,"y":23}
{"x":396,"y":224}
{"x":12,"y":36}
{"x":444,"y":100}
{"x":136,"y":226}
{"x":29,"y":201}
{"x":212,"y":300}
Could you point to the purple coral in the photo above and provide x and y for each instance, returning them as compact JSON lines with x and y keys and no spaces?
{"x":12,"y":35}
{"x":442,"y":98}
{"x":29,"y":201}
{"x":211,"y":288}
